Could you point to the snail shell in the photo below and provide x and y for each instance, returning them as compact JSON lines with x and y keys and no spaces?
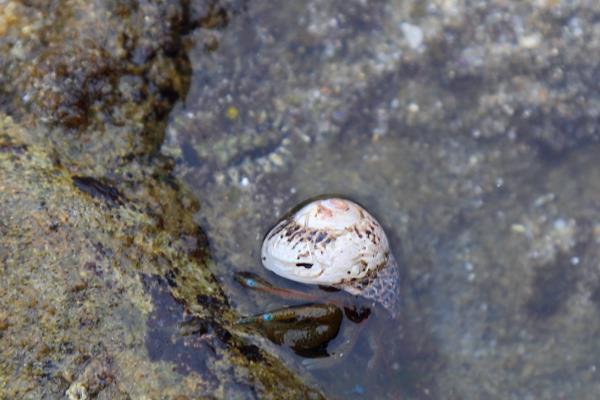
{"x":335,"y":242}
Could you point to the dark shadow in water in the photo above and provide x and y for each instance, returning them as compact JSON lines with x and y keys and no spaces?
{"x":172,"y":336}
{"x":553,"y":285}
{"x":555,"y":282}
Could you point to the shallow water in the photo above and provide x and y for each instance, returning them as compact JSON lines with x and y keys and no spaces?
{"x":495,"y":227}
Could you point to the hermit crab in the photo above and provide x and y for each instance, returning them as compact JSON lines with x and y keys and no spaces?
{"x":331,"y":242}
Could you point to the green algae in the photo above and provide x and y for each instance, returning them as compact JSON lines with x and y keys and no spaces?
{"x":99,"y":77}
{"x":75,"y":306}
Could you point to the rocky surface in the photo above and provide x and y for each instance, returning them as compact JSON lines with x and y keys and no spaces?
{"x":100,"y":76}
{"x":107,"y":290}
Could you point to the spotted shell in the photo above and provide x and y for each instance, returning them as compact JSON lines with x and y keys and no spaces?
{"x":334,"y":242}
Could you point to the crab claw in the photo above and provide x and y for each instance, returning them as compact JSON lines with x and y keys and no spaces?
{"x":306,"y":329}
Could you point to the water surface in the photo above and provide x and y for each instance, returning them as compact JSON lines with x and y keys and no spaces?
{"x":441,"y":121}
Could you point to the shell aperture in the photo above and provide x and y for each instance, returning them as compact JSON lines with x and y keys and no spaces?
{"x":335,"y":242}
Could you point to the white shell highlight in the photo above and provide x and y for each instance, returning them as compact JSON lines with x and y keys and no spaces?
{"x":334,"y":242}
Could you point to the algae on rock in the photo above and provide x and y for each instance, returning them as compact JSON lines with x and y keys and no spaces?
{"x":89,"y":271}
{"x":106,"y":288}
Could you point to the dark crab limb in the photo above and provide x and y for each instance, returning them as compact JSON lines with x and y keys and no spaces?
{"x":253,"y":281}
{"x":306,"y":329}
{"x":354,"y":312}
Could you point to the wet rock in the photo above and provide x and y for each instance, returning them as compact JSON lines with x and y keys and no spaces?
{"x":3,"y":322}
{"x":73,"y":272}
{"x":97,"y":79}
{"x":95,"y":377}
{"x":89,"y":208}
